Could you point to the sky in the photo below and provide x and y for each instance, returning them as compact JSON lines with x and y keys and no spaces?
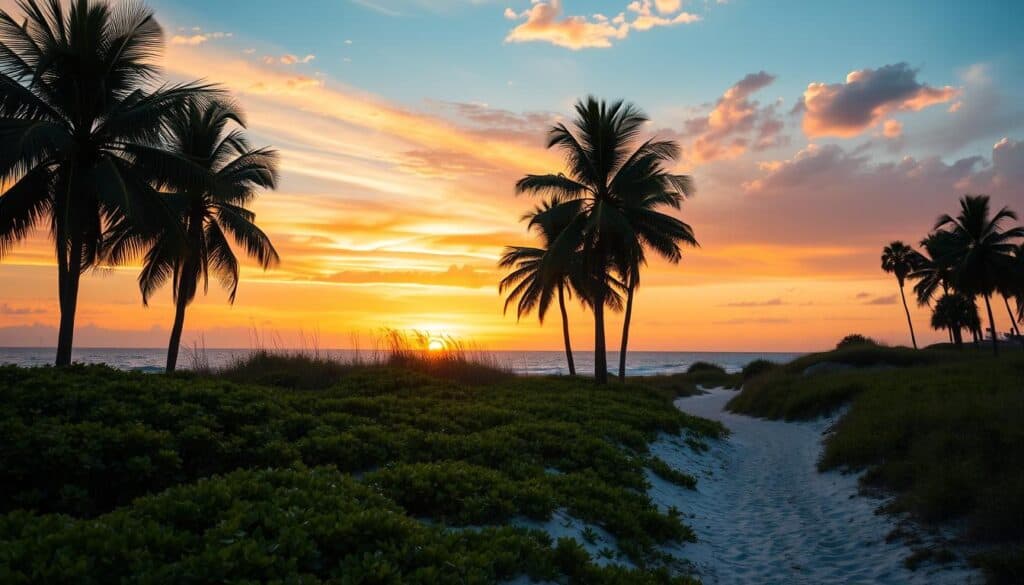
{"x":816,"y":132}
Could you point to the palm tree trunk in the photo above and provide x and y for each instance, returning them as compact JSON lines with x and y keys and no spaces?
{"x":958,"y":337}
{"x":69,"y":273}
{"x":992,"y":324}
{"x":1013,"y":320}
{"x":565,"y":331}
{"x":600,"y":357}
{"x":625,"y":329}
{"x":179,"y":324}
{"x":913,"y":338}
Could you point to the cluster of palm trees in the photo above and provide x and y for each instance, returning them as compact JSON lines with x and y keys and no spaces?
{"x":597,"y":221}
{"x":972,"y":255}
{"x":118,"y":164}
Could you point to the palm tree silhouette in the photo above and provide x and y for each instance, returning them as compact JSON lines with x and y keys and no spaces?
{"x":900,"y":259}
{"x":80,"y":128}
{"x":954,"y":312}
{"x":197,"y":244}
{"x":534,"y":278}
{"x":983,"y":253}
{"x":650,"y":187}
{"x":612,"y":183}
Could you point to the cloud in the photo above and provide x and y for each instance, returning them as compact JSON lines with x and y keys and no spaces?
{"x":735,"y":124}
{"x":830,"y":193}
{"x":862,"y":295}
{"x":865,"y":98}
{"x":762,"y":321}
{"x":776,"y":302}
{"x":885,"y":300}
{"x":198,"y":37}
{"x":544,"y":22}
{"x":6,"y":309}
{"x":892,"y":129}
{"x":457,"y":276}
{"x":288,"y":59}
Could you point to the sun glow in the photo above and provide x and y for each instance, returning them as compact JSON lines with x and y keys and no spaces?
{"x":435,"y":344}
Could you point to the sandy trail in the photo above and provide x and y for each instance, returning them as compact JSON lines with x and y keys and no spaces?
{"x":764,"y":514}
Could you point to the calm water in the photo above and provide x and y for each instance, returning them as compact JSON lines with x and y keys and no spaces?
{"x":523,"y":362}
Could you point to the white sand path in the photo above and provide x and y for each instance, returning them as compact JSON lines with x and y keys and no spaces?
{"x":764,"y":514}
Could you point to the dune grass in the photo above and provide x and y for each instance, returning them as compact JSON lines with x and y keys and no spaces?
{"x":942,"y":430}
{"x":195,"y":478}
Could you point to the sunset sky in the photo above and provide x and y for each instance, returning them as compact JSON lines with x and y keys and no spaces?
{"x":817,"y":132}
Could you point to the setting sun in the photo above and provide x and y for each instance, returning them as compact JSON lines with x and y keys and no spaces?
{"x":435,"y":344}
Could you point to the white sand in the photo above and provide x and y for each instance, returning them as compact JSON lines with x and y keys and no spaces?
{"x":764,"y":514}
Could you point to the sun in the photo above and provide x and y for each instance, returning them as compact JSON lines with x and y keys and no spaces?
{"x":435,"y":344}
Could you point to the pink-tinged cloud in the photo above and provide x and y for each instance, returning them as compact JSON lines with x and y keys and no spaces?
{"x":892,"y":129}
{"x":735,"y":124}
{"x":830,"y":194}
{"x":865,"y":98}
{"x":544,"y":22}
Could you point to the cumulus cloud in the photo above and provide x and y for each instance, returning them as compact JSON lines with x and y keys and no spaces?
{"x":544,"y":22}
{"x":198,"y":37}
{"x":865,"y":98}
{"x":830,"y":193}
{"x":735,"y":124}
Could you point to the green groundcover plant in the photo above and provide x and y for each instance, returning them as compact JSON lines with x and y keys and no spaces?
{"x":382,"y":476}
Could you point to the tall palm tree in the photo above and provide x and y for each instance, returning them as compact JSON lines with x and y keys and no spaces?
{"x":535,"y":279}
{"x":934,"y":269}
{"x":661,"y":232}
{"x":609,"y":173}
{"x":80,"y":124}
{"x":198,"y":244}
{"x":984,"y":250}
{"x":1012,"y":286}
{"x":900,"y":259}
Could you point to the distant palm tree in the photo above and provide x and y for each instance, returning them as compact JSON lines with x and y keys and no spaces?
{"x":80,"y":126}
{"x":535,"y":278}
{"x":610,"y":176}
{"x":900,"y":259}
{"x":954,"y":312}
{"x":186,"y":253}
{"x":1012,"y":286}
{"x":983,"y":250}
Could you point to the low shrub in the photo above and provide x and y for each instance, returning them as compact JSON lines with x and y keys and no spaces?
{"x":757,"y":367}
{"x":854,"y":340}
{"x":697,"y":367}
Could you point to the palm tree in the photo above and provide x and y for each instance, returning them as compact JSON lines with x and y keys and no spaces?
{"x":983,"y":250}
{"x":535,"y":278}
{"x":934,"y":268}
{"x":604,"y":193}
{"x":80,"y":130}
{"x":900,"y":259}
{"x":653,"y":229}
{"x":187,"y":252}
{"x":1012,"y":285}
{"x":954,"y":312}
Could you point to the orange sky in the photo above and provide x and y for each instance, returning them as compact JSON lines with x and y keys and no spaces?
{"x":393,"y":216}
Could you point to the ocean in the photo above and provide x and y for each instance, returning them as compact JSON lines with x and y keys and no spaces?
{"x":639,"y":363}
